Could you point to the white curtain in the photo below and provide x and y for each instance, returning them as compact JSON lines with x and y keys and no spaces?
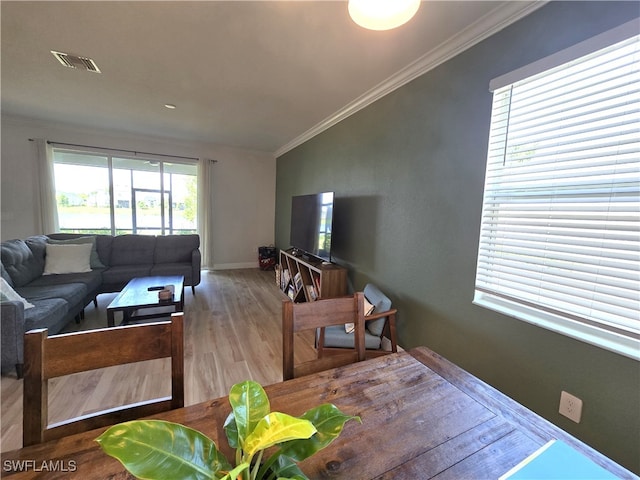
{"x":205,"y":210}
{"x":48,"y":209}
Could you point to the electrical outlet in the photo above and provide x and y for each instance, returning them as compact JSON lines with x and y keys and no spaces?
{"x":570,"y":406}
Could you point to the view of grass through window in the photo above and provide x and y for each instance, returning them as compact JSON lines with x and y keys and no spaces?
{"x":115,"y":195}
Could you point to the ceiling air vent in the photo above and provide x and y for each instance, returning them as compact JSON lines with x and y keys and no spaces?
{"x":73,"y":61}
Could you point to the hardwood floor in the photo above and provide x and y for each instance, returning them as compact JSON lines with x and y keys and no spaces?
{"x":232,"y":333}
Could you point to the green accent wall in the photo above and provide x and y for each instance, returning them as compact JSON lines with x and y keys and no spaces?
{"x":408,"y":173}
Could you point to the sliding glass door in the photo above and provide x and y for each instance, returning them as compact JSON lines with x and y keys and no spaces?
{"x":116,"y":195}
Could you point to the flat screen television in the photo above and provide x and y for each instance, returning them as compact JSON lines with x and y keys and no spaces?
{"x":312,"y":223}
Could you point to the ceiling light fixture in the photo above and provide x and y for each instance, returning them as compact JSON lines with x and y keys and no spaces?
{"x":170,"y":106}
{"x":382,"y":14}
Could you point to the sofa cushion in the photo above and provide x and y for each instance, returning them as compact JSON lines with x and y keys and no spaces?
{"x":94,"y":259}
{"x":37,"y":244}
{"x":132,"y":250}
{"x":48,"y":313}
{"x":72,"y":293}
{"x":92,"y":280}
{"x":170,"y":269}
{"x":103,"y":246}
{"x":175,"y":248}
{"x":20,"y":262}
{"x":122,"y":274}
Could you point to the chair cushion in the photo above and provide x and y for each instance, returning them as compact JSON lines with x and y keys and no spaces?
{"x":381,"y":303}
{"x":336,"y":337}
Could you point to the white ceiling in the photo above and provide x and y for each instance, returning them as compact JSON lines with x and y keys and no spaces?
{"x":259,"y":75}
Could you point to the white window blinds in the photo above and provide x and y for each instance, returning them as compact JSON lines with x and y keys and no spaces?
{"x":560,"y":233}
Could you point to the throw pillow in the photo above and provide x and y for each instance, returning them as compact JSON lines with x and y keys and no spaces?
{"x":94,"y":260}
{"x":9,"y":294}
{"x":67,"y":259}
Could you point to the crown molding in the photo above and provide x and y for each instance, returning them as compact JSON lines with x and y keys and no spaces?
{"x":63,"y":130}
{"x":487,"y":25}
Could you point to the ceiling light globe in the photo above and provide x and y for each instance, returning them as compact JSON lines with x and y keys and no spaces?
{"x":382,"y":14}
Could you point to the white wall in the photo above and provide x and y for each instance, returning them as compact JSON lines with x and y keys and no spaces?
{"x":244,"y":184}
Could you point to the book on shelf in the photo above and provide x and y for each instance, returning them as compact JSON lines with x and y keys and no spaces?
{"x":297,"y":279}
{"x":285,"y":277}
{"x":278,"y":275}
{"x":311,"y":292}
{"x":316,"y":281}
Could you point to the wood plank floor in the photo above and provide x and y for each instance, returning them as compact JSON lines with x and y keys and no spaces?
{"x":232,"y":333}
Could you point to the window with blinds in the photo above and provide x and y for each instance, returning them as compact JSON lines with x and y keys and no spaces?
{"x":560,"y":236}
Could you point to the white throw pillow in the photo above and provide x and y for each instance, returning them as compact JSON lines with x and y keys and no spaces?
{"x":9,"y":294}
{"x":67,"y":258}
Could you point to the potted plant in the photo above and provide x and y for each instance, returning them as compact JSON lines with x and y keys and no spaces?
{"x":156,"y":449}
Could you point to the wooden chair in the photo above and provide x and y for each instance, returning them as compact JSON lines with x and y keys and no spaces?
{"x":380,"y":327}
{"x":50,"y":357}
{"x":309,"y":316}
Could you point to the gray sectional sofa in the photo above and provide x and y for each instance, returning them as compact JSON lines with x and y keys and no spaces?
{"x":58,"y":299}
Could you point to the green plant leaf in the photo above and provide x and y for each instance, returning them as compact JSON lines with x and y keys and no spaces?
{"x":328,"y":421}
{"x":286,"y":469}
{"x":231,"y":430}
{"x":159,"y":450}
{"x":250,"y":404}
{"x":233,"y":474}
{"x":277,"y":428}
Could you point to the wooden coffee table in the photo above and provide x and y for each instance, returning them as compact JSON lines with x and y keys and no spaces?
{"x":141,"y":293}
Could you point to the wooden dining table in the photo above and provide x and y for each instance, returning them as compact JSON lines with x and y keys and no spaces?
{"x":421,"y":417}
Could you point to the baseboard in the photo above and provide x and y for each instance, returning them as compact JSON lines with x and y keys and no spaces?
{"x":234,"y":266}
